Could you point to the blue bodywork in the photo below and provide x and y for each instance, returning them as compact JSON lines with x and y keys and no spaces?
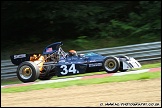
{"x":70,"y":65}
{"x":90,"y":62}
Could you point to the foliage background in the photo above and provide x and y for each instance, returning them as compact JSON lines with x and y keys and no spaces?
{"x":28,"y":26}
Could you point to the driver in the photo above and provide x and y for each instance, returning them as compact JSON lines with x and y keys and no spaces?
{"x":72,"y":53}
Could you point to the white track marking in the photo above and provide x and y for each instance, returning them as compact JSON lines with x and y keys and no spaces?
{"x":131,"y":72}
{"x":58,"y":80}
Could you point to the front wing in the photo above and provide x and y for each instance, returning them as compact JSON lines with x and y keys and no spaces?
{"x":131,"y":63}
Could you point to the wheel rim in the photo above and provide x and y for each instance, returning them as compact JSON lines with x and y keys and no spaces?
{"x":110,"y":64}
{"x":25,"y":72}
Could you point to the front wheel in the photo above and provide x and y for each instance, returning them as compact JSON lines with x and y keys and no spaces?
{"x":111,"y":64}
{"x":28,"y":71}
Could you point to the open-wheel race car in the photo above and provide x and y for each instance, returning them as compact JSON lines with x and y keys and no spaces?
{"x":55,"y":62}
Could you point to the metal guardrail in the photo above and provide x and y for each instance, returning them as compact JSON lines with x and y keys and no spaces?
{"x":141,"y":52}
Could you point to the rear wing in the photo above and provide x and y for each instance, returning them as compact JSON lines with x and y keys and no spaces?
{"x":19,"y":58}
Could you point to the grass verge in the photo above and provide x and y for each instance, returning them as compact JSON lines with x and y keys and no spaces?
{"x":141,"y":76}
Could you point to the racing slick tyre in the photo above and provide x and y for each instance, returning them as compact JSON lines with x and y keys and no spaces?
{"x":122,"y":58}
{"x":111,"y":64}
{"x":28,"y":71}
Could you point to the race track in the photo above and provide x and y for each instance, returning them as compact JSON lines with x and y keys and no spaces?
{"x":140,"y":93}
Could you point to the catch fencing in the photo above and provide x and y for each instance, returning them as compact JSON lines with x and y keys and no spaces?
{"x":141,"y":52}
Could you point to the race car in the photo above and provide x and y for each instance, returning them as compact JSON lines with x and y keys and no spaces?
{"x":55,"y":62}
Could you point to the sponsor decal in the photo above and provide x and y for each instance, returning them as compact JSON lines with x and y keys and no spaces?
{"x":95,"y":64}
{"x":19,"y":56}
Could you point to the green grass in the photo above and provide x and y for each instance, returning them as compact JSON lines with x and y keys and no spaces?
{"x":17,"y":81}
{"x":153,"y":65}
{"x":141,"y":76}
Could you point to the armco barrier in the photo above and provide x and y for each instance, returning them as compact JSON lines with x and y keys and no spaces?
{"x":141,"y":52}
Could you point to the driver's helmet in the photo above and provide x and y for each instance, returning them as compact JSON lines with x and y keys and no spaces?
{"x":72,"y":53}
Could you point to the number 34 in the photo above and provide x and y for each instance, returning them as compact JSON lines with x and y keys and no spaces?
{"x":66,"y":70}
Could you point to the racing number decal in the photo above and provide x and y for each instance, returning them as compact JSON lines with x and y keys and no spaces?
{"x":66,"y":70}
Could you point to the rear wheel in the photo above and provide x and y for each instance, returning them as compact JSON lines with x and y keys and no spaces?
{"x":27,"y":72}
{"x":111,"y":64}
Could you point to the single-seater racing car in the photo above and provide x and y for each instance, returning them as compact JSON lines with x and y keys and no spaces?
{"x":55,"y":62}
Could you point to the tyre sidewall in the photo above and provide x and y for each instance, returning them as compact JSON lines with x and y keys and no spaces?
{"x":34,"y":68}
{"x":115,"y":60}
